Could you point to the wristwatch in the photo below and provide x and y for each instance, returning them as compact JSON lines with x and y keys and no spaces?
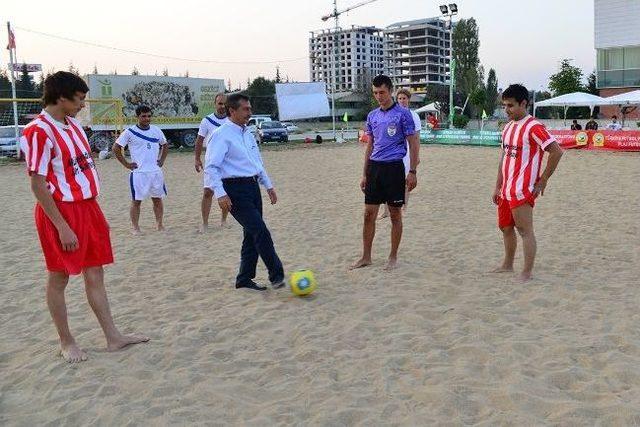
{"x":413,"y":171}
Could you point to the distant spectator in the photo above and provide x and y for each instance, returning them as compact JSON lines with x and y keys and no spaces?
{"x":432,"y":121}
{"x":591,"y":125}
{"x":614,"y":125}
{"x":575,"y":125}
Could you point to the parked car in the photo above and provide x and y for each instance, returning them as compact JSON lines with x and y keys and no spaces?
{"x":272,"y":131}
{"x":291,"y":128}
{"x":8,"y":140}
{"x":255,"y":120}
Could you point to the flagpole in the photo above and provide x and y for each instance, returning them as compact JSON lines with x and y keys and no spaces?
{"x":12,"y":48}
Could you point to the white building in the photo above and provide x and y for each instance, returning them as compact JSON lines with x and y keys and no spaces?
{"x":617,"y":43}
{"x":417,"y":53}
{"x":360,"y":57}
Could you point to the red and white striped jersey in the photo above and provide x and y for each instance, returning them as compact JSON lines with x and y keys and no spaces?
{"x":60,"y":152}
{"x":523,"y":143}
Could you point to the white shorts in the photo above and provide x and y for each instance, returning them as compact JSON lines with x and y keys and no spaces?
{"x":207,"y":182}
{"x":147,"y":184}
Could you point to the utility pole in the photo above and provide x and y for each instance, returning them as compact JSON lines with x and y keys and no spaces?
{"x":449,"y":11}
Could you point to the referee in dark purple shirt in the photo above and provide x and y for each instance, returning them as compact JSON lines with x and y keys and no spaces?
{"x":384,"y":179}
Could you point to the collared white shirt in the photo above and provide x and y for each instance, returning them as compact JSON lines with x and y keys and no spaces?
{"x":210,"y":124}
{"x":234,"y":154}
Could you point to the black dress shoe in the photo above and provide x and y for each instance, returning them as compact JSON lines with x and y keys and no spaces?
{"x":251,"y":285}
{"x":277,"y":284}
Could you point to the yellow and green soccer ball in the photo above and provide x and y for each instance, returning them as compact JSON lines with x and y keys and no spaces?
{"x":302,"y":282}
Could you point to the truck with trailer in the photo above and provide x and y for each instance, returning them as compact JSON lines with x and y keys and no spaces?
{"x":178,"y":105}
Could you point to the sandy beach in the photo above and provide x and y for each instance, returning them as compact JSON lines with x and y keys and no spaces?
{"x":438,"y":342}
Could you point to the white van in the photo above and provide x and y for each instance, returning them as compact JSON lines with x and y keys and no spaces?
{"x":255,"y":120}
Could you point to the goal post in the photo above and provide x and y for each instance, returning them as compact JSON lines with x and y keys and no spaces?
{"x":102,"y":119}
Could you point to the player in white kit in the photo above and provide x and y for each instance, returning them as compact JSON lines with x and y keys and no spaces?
{"x":148,"y":149}
{"x":207,"y":126}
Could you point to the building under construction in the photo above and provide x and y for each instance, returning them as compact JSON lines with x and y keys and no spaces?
{"x":417,"y":53}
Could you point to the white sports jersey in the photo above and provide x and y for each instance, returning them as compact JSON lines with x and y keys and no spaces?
{"x":407,"y":158}
{"x":144,"y":146}
{"x":209,"y":124}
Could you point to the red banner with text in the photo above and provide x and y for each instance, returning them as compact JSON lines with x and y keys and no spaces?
{"x":613,"y":140}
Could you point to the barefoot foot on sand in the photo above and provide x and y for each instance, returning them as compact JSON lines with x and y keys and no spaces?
{"x":360,"y":264}
{"x":392,"y":264}
{"x":125,"y":340}
{"x":72,"y":353}
{"x":525,"y":276}
{"x":502,"y":269}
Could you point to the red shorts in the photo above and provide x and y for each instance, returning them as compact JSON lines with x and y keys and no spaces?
{"x":86,"y":220}
{"x":505,"y":216}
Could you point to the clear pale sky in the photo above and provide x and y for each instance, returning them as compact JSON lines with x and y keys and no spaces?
{"x":523,"y":40}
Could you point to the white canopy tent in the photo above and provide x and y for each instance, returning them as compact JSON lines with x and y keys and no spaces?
{"x":575,"y":99}
{"x":628,"y":98}
{"x":428,"y":108}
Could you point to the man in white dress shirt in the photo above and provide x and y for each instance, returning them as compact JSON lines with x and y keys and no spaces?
{"x":235,"y":169}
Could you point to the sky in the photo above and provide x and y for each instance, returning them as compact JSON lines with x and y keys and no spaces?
{"x":523,"y":41}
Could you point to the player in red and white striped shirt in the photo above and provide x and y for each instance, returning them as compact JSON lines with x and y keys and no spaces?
{"x":73,"y":232}
{"x":524,"y":141}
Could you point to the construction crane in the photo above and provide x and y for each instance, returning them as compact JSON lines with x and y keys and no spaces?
{"x":336,"y":15}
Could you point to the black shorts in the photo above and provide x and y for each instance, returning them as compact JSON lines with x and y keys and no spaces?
{"x":386,"y":182}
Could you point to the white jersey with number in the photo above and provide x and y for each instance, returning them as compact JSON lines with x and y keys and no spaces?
{"x":208,"y":125}
{"x":144,"y":146}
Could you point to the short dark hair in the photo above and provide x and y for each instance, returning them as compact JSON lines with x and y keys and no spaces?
{"x":614,"y":117}
{"x":62,"y":84}
{"x":517,"y":92}
{"x":381,"y":79}
{"x":233,"y":101}
{"x":142,"y":109}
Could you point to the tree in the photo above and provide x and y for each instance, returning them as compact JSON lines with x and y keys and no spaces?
{"x":592,"y":85}
{"x":25,"y":87}
{"x":95,"y":69}
{"x":465,"y":52}
{"x":478,"y":99}
{"x":135,"y":71}
{"x":545,"y":113}
{"x":186,"y":73}
{"x":568,"y":79}
{"x":492,"y":92}
{"x":5,"y":85}
{"x":165,"y":72}
{"x":73,"y":69}
{"x":278,"y":79}
{"x":439,"y":94}
{"x":262,"y":93}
